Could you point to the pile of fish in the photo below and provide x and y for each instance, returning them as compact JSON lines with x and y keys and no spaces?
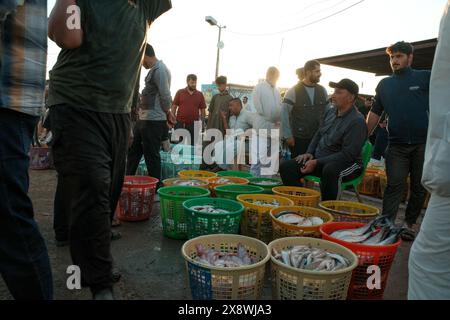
{"x":223,"y":181}
{"x":266,"y":183}
{"x":208,"y":209}
{"x":188,"y":183}
{"x":273,"y":203}
{"x":379,"y":232}
{"x":215,"y":258}
{"x":313,"y":259}
{"x":296,"y":219}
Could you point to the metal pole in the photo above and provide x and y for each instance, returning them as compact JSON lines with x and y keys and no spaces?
{"x":218,"y":52}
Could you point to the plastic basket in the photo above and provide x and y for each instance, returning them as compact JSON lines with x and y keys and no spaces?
{"x":197,"y":174}
{"x":40,"y":158}
{"x":289,"y":283}
{"x":350,"y":211}
{"x":232,"y":191}
{"x":239,"y":174}
{"x":243,"y":283}
{"x":173,"y":217}
{"x":267,"y":188}
{"x":283,"y":230}
{"x":369,"y":255}
{"x":202,"y":223}
{"x":301,"y":197}
{"x":256,"y":221}
{"x":173,"y":163}
{"x":370,"y":184}
{"x":172,"y":182}
{"x":136,"y":199}
{"x":220,"y":181}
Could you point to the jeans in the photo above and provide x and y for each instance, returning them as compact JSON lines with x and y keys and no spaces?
{"x":24,"y":261}
{"x":403,"y":160}
{"x":332,"y":174}
{"x":89,"y":154}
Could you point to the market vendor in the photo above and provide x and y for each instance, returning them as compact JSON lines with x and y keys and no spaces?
{"x":335,"y":151}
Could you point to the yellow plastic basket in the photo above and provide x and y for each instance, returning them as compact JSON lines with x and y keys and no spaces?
{"x":173,"y":182}
{"x":350,"y":211}
{"x":302,"y":197}
{"x":209,"y":282}
{"x":221,"y":181}
{"x":283,"y":230}
{"x":256,"y":221}
{"x":197,"y":174}
{"x":289,"y":283}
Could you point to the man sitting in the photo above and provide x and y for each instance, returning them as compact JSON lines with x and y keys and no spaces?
{"x":335,"y":151}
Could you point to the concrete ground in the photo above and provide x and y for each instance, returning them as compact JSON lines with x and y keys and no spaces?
{"x":152,"y":266}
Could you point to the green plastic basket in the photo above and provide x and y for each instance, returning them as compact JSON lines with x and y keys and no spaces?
{"x":239,"y":174}
{"x":203,"y":223}
{"x":231,"y":191}
{"x":173,"y":217}
{"x":267,"y":189}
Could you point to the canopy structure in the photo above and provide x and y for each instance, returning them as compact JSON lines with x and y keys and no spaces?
{"x":376,"y":61}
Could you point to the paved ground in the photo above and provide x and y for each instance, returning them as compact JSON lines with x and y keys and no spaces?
{"x":152,"y":266}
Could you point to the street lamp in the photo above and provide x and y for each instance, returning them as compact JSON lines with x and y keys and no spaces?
{"x":213,"y":22}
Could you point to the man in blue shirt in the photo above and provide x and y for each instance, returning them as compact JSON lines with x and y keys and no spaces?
{"x":404,"y":97}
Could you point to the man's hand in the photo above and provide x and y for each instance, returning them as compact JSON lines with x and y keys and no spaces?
{"x":291,"y":142}
{"x":302,"y":159}
{"x":309,"y":167}
{"x":171,"y":120}
{"x":223,"y":114}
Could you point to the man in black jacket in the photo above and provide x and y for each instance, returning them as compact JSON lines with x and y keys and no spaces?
{"x":335,"y":151}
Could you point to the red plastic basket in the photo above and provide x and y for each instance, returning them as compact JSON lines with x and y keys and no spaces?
{"x":40,"y":158}
{"x":136,"y":200}
{"x":368,"y":255}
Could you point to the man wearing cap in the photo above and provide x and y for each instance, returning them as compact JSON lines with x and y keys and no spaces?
{"x":335,"y":151}
{"x":302,"y":109}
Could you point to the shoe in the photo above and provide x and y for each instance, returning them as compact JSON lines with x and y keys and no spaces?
{"x":62,"y":243}
{"x":105,"y":294}
{"x":410,"y":233}
{"x":115,"y":235}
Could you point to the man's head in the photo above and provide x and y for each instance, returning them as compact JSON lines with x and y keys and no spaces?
{"x":300,"y":73}
{"x":245,"y":100}
{"x":149,"y":57}
{"x":401,"y":55}
{"x":345,"y":93}
{"x":191,"y":81}
{"x":312,"y":71}
{"x":221,"y":83}
{"x":272,"y":76}
{"x":235,"y":106}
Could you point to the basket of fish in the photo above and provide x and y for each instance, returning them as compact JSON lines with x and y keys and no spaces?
{"x":256,"y":221}
{"x":221,"y":181}
{"x":40,"y":158}
{"x":173,"y":217}
{"x":310,"y":269}
{"x":350,"y":211}
{"x":197,"y":174}
{"x":302,"y":197}
{"x":238,"y":174}
{"x":225,"y":267}
{"x":375,"y":244}
{"x":298,"y":221}
{"x":185,"y":183}
{"x":267,"y":183}
{"x":232,"y":191}
{"x":212,"y":216}
{"x":136,"y":199}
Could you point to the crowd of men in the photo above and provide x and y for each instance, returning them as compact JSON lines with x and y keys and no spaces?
{"x":95,"y":143}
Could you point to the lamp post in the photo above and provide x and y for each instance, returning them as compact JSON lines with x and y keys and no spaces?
{"x":213,"y":22}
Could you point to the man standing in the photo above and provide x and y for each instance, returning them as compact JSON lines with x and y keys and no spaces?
{"x":24,"y":261}
{"x":335,"y":151}
{"x":302,"y":109}
{"x":267,"y":102}
{"x":404,"y":97}
{"x":91,"y":91}
{"x":429,"y":277}
{"x":154,"y":115}
{"x":219,"y":103}
{"x":189,"y":106}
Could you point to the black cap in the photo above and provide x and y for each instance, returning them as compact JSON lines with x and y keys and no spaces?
{"x":346,"y":84}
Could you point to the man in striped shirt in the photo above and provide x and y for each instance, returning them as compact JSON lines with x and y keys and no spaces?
{"x":24,"y":262}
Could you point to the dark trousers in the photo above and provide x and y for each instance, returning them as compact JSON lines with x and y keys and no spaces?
{"x":401,"y":161}
{"x":89,"y":153}
{"x":188,"y":127}
{"x":60,"y":214}
{"x":148,"y":136}
{"x":24,"y":261}
{"x":301,"y":147}
{"x":380,"y":142}
{"x":331,"y":174}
